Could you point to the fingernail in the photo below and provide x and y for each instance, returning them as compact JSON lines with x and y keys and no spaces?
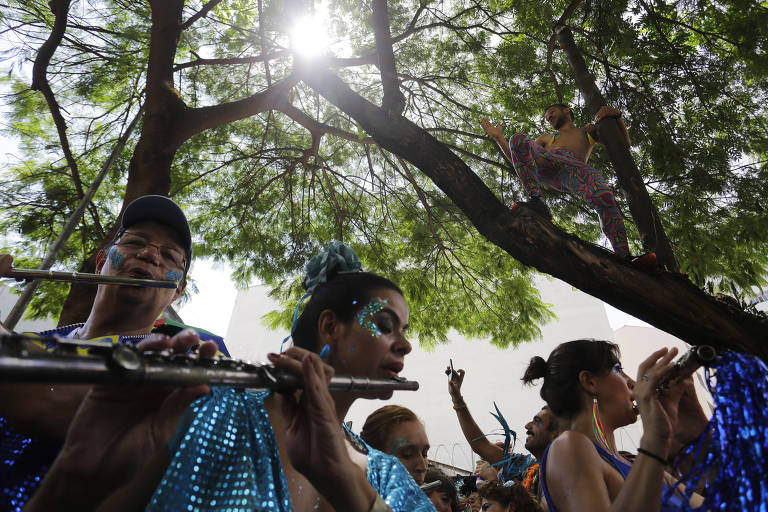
{"x":272,"y":355}
{"x":326,"y":350}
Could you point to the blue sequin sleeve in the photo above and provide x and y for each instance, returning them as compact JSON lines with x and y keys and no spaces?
{"x":224,"y":457}
{"x":393,"y":483}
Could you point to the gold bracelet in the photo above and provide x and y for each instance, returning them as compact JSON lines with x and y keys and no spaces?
{"x":379,"y":505}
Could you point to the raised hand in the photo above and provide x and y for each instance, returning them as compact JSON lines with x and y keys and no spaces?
{"x":493,"y":131}
{"x":454,"y":383}
{"x":606,"y":111}
{"x":658,"y":413}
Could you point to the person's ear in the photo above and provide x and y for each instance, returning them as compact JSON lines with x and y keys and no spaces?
{"x":327,"y":328}
{"x":179,"y":289}
{"x":587,"y":382}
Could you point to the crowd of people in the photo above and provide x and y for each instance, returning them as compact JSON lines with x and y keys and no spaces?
{"x":223,"y":448}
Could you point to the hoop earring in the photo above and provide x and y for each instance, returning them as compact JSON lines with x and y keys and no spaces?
{"x":597,"y":426}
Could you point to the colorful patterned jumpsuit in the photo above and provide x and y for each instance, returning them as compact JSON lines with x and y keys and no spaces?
{"x":562,"y":170}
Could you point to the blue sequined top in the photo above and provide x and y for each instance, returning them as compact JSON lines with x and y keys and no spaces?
{"x":224,"y":457}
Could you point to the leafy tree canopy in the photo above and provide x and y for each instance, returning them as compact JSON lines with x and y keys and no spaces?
{"x":266,"y":191}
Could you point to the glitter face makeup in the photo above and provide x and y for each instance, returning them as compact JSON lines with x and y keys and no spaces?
{"x":397,"y":444}
{"x":365,"y":316}
{"x":173,"y":275}
{"x":117,"y":260}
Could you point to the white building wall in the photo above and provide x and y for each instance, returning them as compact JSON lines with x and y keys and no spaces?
{"x":7,"y":300}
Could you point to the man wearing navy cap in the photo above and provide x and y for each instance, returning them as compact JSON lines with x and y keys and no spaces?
{"x":153,"y":242}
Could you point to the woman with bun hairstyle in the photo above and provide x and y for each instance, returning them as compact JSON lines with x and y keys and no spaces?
{"x":396,"y":430}
{"x":291,"y":451}
{"x":585,"y":386}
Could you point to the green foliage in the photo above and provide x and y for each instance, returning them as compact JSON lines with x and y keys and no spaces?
{"x":266,"y":193}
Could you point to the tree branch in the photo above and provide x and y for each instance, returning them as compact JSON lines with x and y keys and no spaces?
{"x":204,"y":11}
{"x":230,"y":60}
{"x":194,"y":121}
{"x":644,"y":212}
{"x":321,"y":128}
{"x":40,"y":83}
{"x":393,"y":101}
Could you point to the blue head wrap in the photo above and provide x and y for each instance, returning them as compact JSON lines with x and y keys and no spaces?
{"x":337,"y":258}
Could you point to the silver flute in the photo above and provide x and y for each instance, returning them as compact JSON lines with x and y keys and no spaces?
{"x":87,"y":278}
{"x":695,"y":358}
{"x":121,"y":364}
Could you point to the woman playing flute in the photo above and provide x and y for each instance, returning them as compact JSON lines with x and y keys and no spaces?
{"x":585,"y":385}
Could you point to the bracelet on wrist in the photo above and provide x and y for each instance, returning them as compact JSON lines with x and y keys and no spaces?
{"x":458,"y":406}
{"x":652,"y":455}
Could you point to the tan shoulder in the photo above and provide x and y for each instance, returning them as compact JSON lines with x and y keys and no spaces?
{"x":543,"y":139}
{"x":572,"y":445}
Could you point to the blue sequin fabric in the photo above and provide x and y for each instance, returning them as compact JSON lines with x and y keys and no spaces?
{"x":739,"y":444}
{"x":24,"y":459}
{"x":393,"y":483}
{"x":224,"y":457}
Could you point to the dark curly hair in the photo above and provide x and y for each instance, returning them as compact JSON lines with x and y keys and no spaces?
{"x":561,"y":372}
{"x":510,"y":495}
{"x":445,"y":486}
{"x":345,"y":295}
{"x":562,"y":106}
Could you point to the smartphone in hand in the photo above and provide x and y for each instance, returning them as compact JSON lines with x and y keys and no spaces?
{"x":454,"y":373}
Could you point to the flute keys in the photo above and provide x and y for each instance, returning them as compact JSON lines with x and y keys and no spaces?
{"x":124,"y":358}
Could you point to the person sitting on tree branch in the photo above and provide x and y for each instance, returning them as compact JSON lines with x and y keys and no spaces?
{"x":559,"y":161}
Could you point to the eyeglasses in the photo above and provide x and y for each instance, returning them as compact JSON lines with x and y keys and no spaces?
{"x":135,"y":243}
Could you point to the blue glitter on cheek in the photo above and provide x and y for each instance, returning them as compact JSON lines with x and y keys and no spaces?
{"x":173,"y":275}
{"x":365,"y":316}
{"x":116,"y":259}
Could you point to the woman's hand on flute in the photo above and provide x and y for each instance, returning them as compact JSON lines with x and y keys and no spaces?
{"x":314,"y":435}
{"x":658,"y":413}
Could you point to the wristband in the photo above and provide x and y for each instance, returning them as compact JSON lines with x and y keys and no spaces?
{"x":459,"y":407}
{"x":652,"y":455}
{"x":379,"y":505}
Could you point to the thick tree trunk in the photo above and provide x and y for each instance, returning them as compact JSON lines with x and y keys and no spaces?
{"x":667,"y":300}
{"x":168,"y":123}
{"x":644,"y":213}
{"x":149,"y":171}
